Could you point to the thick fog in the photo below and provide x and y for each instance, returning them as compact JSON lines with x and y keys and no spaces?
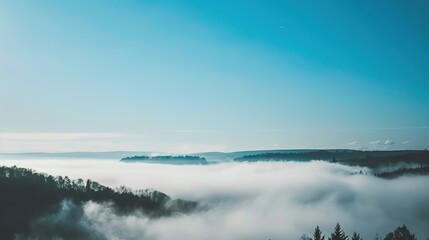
{"x":265,"y":200}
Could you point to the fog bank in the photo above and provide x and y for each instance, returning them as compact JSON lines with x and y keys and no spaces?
{"x":264,"y":200}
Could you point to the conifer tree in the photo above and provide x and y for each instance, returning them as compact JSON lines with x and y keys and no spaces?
{"x":338,"y":234}
{"x":318,"y":234}
{"x":400,"y":233}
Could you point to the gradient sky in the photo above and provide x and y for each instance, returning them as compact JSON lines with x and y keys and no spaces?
{"x":189,"y":76}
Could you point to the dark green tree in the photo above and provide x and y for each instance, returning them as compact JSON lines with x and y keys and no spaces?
{"x":356,"y":236}
{"x":400,"y":233}
{"x":338,"y":234}
{"x":318,"y":234}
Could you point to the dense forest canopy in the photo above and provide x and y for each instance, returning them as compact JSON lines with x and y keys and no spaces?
{"x":409,"y":162}
{"x":369,"y":159}
{"x":27,"y":195}
{"x":411,"y":157}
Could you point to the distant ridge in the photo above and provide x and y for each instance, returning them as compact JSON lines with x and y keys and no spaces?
{"x":370,"y":159}
{"x":167,"y":159}
{"x":214,"y":157}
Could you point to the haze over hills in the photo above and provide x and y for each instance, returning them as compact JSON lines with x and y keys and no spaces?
{"x":382,"y":163}
{"x":117,"y":155}
{"x":230,"y":156}
{"x":210,"y":156}
{"x":213,"y":157}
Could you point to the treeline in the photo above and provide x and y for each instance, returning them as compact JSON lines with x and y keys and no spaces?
{"x":298,"y":156}
{"x":26,"y":195}
{"x":400,"y":233}
{"x":414,"y":157}
{"x":370,"y":159}
{"x":423,"y":170}
{"x":166,"y":158}
{"x":342,"y":156}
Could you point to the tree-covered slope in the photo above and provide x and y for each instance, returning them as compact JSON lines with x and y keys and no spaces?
{"x":26,"y":195}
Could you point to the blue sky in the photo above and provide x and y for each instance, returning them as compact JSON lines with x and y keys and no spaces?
{"x":189,"y":76}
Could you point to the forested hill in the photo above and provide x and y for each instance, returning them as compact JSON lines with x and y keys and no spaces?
{"x":296,"y":156}
{"x":27,"y":195}
{"x":186,"y":159}
{"x":327,"y":155}
{"x":410,"y":157}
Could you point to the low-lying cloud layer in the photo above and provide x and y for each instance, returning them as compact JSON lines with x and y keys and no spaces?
{"x":264,"y":200}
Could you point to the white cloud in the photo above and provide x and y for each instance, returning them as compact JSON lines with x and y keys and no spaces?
{"x":352,"y":143}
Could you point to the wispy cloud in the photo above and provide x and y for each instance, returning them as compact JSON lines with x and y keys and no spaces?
{"x":375,"y":142}
{"x":69,"y":141}
{"x":59,"y":136}
{"x":386,"y":142}
{"x":352,"y":143}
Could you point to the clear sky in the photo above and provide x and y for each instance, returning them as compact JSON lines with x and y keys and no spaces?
{"x":189,"y":76}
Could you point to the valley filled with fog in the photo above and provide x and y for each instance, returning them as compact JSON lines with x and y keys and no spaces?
{"x":243,"y":200}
